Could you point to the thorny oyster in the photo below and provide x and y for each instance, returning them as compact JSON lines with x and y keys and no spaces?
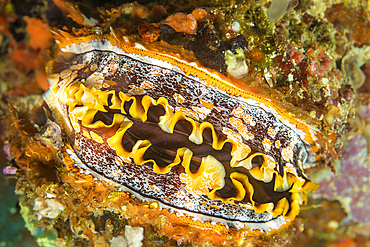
{"x":136,"y":133}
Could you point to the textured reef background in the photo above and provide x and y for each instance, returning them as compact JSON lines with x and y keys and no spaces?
{"x":314,"y":55}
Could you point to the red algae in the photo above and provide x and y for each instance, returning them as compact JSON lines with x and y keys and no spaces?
{"x":40,"y":35}
{"x":158,"y":13}
{"x":199,"y":14}
{"x":182,"y":23}
{"x":148,"y":33}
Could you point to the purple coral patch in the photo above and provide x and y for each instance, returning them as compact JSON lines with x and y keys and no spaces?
{"x":10,"y":170}
{"x":351,"y":185}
